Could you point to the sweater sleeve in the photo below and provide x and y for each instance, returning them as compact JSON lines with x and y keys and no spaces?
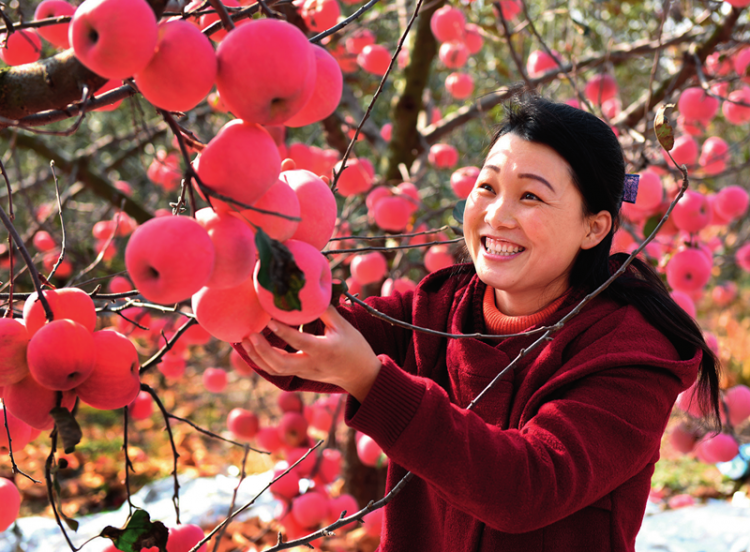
{"x":578,"y":447}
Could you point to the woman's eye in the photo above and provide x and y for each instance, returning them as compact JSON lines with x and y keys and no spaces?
{"x":529,"y":195}
{"x":485,"y":186}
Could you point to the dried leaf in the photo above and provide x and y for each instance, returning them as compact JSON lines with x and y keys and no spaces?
{"x":67,"y":428}
{"x":663,"y":129}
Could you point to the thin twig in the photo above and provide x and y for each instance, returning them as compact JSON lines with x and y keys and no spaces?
{"x":175,"y":454}
{"x":341,"y":24}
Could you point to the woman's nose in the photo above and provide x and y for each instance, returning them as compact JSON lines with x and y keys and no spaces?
{"x":500,"y":213}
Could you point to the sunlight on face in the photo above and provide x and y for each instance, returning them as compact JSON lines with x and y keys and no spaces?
{"x":524,"y":224}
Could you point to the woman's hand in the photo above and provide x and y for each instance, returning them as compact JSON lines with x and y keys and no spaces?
{"x":341,"y":356}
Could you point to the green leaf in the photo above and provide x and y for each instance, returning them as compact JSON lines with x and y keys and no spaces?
{"x":139,"y":532}
{"x":278,"y":272}
{"x":67,"y":428}
{"x":458,"y":211}
{"x":663,"y":129}
{"x":650,"y":225}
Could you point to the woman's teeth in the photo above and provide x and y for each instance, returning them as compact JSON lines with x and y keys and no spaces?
{"x":495,"y":247}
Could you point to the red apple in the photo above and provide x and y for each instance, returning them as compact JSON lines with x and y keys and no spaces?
{"x":289,"y":401}
{"x":315,"y":295}
{"x":539,"y":62}
{"x":27,"y":400}
{"x":463,"y":180}
{"x":443,"y":156}
{"x":210,"y":18}
{"x":61,"y":355}
{"x":734,"y":112}
{"x":43,"y":241}
{"x":369,"y":268}
{"x":375,"y":59}
{"x":326,"y":94}
{"x":473,"y":38}
{"x":732,"y":202}
{"x":224,"y":162}
{"x":142,"y":406}
{"x":22,"y":46}
{"x":688,"y":270}
{"x":279,"y":198}
{"x":268,"y":439}
{"x":438,"y":257}
{"x":234,"y":245}
{"x":310,"y":509}
{"x":453,"y":54}
{"x":692,"y":213}
{"x":359,"y":39}
{"x":696,"y":105}
{"x":714,"y":155}
{"x":11,"y":501}
{"x":288,"y":486}
{"x":459,"y":85}
{"x":230,"y":314}
{"x":685,"y":151}
{"x":320,"y":15}
{"x":115,"y":381}
{"x":14,"y":340}
{"x":182,"y":71}
{"x":318,"y":208}
{"x":184,"y":537}
{"x":355,"y":179}
{"x":169,"y":258}
{"x":742,"y":257}
{"x":737,"y":399}
{"x":340,"y":504}
{"x":399,"y":285}
{"x":242,"y":423}
{"x":214,"y":380}
{"x":600,"y":88}
{"x":393,"y":213}
{"x":448,"y":23}
{"x":293,"y":429}
{"x":114,"y":38}
{"x":57,"y":35}
{"x":266,"y":71}
{"x":369,"y":452}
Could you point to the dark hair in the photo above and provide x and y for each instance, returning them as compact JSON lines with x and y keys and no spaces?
{"x":594,"y":154}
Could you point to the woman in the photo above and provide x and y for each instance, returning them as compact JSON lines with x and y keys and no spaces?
{"x":559,"y":454}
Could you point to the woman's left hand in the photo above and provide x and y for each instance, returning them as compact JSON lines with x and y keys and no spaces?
{"x":341,"y":356}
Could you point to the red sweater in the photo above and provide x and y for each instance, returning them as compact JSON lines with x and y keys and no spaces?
{"x":558,"y":456}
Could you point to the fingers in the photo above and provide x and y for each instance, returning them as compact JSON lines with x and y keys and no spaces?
{"x":272,"y":360}
{"x":332,"y":318}
{"x":298,"y":340}
{"x":288,"y":164}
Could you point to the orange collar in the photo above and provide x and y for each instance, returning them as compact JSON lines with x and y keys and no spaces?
{"x":499,"y":323}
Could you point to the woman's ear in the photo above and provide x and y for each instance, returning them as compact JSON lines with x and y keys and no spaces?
{"x":598,"y":228}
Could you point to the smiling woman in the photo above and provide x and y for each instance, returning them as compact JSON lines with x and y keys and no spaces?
{"x":559,"y":454}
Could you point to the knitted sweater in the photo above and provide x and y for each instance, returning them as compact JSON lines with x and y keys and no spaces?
{"x":557,"y":456}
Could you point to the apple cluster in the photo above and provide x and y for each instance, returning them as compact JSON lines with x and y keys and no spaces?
{"x":688,"y":437}
{"x":182,"y":538}
{"x":50,"y":363}
{"x":288,"y":441}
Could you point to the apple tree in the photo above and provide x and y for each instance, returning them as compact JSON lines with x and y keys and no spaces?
{"x":177,"y":173}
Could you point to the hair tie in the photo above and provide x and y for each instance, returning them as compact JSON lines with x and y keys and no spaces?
{"x":630,"y":189}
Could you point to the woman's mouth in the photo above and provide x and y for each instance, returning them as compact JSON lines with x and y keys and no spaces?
{"x":500,"y":248}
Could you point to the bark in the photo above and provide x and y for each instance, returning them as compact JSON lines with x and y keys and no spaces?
{"x":406,"y":142}
{"x":49,"y":84}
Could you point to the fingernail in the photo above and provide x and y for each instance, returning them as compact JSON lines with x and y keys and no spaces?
{"x":272,"y":326}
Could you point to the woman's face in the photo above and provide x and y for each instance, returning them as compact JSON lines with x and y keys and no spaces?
{"x":524,"y":224}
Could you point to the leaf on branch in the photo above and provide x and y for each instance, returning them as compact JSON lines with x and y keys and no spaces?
{"x":663,"y":129}
{"x":458,"y":211}
{"x":651,"y":224}
{"x":278,"y":272}
{"x":139,"y":532}
{"x":338,"y":288}
{"x":67,"y":428}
